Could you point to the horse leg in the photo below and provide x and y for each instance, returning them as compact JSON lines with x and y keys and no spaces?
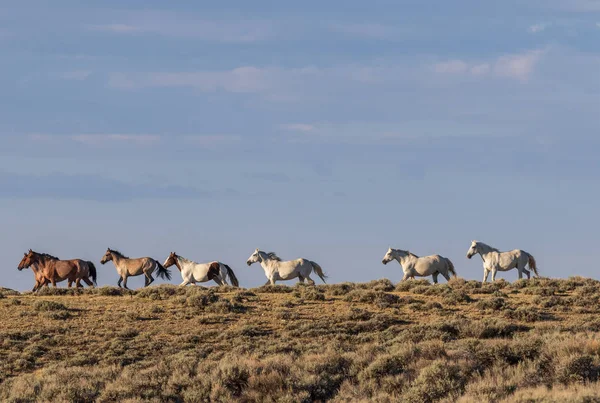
{"x":78,"y":283}
{"x":268,"y":282}
{"x":125,"y":282}
{"x":149,"y":278}
{"x":88,"y":282}
{"x":184,"y":283}
{"x":494,"y":275}
{"x":527,"y":272}
{"x":119,"y":282}
{"x":310,"y":280}
{"x":300,"y":279}
{"x":146,"y":279}
{"x":435,"y":277}
{"x":486,"y":272}
{"x":446,"y":276}
{"x":406,"y":277}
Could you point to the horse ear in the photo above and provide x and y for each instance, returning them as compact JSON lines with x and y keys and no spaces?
{"x":256,"y":249}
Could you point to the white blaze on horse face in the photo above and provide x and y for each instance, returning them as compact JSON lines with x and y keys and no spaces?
{"x":253,"y":258}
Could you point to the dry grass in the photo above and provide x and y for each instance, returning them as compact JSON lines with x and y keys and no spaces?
{"x":534,"y":341}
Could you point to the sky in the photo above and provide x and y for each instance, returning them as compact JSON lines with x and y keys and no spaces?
{"x":325,"y":130}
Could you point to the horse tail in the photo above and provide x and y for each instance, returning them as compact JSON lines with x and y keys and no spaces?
{"x":162,"y":272}
{"x":93,"y":272}
{"x":317,"y":269}
{"x":532,"y":264}
{"x":451,"y":267}
{"x":231,"y":275}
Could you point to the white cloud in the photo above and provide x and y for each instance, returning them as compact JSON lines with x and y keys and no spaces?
{"x":103,"y":139}
{"x":78,"y":75}
{"x":241,"y":79}
{"x":391,"y":133}
{"x":115,"y":28}
{"x":517,"y":66}
{"x":373,"y":31}
{"x":189,"y":26}
{"x":212,"y":141}
{"x":297,"y":127}
{"x":534,"y":29}
{"x":480,"y":69}
{"x":451,"y":67}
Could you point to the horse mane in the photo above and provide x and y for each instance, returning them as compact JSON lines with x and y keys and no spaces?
{"x":46,"y":255}
{"x":488,"y":247}
{"x":116,"y":252}
{"x":408,"y":253}
{"x":273,"y":256}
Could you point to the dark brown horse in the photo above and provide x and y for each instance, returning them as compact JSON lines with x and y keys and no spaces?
{"x":54,"y":270}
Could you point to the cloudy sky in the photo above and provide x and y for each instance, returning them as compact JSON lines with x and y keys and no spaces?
{"x":326,"y":130}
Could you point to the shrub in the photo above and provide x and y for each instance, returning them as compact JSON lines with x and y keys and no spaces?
{"x":407,"y":285}
{"x":109,"y":291}
{"x":437,"y":381}
{"x":338,"y":289}
{"x":309,"y":293}
{"x":378,"y":298}
{"x":377,"y":285}
{"x":579,"y":369}
{"x":46,"y":306}
{"x":493,"y":304}
{"x":201,"y":300}
{"x":273,"y":289}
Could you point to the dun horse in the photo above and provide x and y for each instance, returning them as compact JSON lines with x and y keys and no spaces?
{"x":49,"y":269}
{"x":494,"y":260}
{"x":127,"y":267}
{"x":193,"y":272}
{"x":414,"y":266}
{"x":276,"y":270}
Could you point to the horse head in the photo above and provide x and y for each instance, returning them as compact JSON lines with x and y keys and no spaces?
{"x":389,"y":256}
{"x":171,"y":260}
{"x":473,"y":250}
{"x":255,"y":257}
{"x":107,"y":256}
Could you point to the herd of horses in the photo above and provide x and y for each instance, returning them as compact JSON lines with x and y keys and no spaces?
{"x":49,"y":269}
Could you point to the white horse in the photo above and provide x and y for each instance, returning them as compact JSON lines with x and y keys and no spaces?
{"x":414,"y":266}
{"x":193,"y":272}
{"x":276,"y":270}
{"x":494,"y":260}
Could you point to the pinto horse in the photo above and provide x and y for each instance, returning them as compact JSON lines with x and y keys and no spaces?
{"x":49,"y":269}
{"x":193,"y":272}
{"x":127,"y":267}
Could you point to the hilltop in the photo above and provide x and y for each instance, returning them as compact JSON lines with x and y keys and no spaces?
{"x":533,"y":340}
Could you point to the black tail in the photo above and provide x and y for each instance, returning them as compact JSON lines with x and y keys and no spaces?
{"x":93,"y":273}
{"x":162,"y":272}
{"x":232,"y":277}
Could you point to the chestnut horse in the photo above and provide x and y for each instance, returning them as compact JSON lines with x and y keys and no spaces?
{"x":53,"y":270}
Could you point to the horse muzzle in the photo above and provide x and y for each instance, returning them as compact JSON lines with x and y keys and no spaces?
{"x":384,"y":261}
{"x":249,"y":263}
{"x":469,"y":255}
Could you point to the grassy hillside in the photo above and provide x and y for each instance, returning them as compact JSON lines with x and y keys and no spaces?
{"x":527,"y":341}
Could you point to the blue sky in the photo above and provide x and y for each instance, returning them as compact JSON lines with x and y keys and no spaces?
{"x":326,"y":130}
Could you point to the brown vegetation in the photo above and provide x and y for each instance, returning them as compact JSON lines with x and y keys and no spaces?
{"x":533,"y":340}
